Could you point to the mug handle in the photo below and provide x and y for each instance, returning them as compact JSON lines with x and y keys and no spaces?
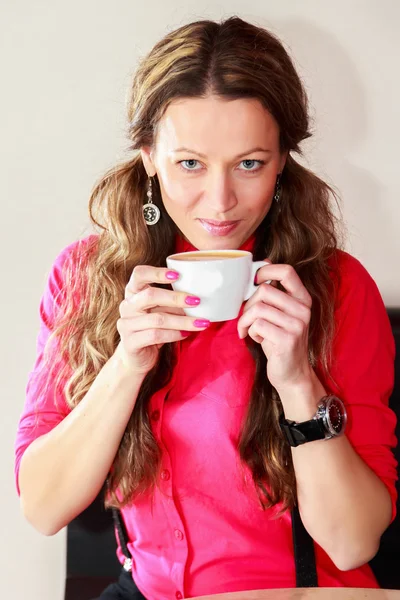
{"x":252,"y":287}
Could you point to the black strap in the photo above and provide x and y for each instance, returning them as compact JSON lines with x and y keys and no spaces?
{"x":304,"y":554}
{"x":122,"y":537}
{"x":299,"y":433}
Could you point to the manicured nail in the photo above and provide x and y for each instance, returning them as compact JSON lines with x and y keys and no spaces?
{"x":192,"y":300}
{"x":186,"y":333}
{"x":201,"y":323}
{"x":172,"y":275}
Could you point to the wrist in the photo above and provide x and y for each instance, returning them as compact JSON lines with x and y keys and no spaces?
{"x":300,"y":401}
{"x":123,"y":367}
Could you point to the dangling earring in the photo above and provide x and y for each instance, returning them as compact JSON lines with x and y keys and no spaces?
{"x":151,"y":212}
{"x":278,"y":188}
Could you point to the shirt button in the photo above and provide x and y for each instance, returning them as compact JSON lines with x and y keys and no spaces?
{"x":179,"y":536}
{"x":155,"y":415}
{"x":178,"y":596}
{"x":165,"y":475}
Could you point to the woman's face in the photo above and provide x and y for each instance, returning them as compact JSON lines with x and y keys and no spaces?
{"x":216,"y":161}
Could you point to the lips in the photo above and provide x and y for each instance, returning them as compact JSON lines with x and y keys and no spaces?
{"x":218,"y":228}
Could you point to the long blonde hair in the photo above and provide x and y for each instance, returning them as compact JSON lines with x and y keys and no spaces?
{"x":232,"y":59}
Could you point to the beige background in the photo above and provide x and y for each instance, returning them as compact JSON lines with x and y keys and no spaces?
{"x":65,"y":70}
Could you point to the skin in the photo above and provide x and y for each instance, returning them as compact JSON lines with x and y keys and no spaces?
{"x":357,"y":505}
{"x":219,"y":185}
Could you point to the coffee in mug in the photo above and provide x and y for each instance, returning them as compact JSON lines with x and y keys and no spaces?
{"x":215,"y":255}
{"x":222,"y":279}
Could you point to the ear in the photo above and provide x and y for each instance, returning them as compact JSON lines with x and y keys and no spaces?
{"x":148,"y":161}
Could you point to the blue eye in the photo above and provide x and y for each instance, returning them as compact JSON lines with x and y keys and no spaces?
{"x":190,"y":160}
{"x":250,"y":163}
{"x":190,"y":164}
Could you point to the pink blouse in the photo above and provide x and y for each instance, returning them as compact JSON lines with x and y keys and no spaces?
{"x":204,"y":531}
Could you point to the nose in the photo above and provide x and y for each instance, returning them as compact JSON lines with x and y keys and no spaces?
{"x":219,"y":193}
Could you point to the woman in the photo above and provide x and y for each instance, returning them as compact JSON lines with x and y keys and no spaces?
{"x":191,"y":424}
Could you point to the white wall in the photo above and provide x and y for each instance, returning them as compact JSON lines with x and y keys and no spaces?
{"x":65,"y":70}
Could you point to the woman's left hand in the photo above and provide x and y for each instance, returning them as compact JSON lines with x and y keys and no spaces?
{"x":279,"y":321}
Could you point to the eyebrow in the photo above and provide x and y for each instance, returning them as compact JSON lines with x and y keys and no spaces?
{"x":251,"y":151}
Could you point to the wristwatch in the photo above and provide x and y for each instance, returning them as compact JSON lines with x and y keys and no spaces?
{"x":329,"y":421}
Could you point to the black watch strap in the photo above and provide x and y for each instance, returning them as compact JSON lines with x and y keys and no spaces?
{"x":300,"y":433}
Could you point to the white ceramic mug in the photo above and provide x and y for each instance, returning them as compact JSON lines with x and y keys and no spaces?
{"x":222,"y":279}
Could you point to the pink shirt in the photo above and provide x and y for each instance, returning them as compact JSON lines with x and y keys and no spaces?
{"x":204,"y":531}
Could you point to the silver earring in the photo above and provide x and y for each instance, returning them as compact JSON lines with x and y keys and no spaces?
{"x":151,"y":212}
{"x":278,"y":188}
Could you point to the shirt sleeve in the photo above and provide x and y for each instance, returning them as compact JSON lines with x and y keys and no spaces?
{"x":362,"y":370}
{"x":45,"y":405}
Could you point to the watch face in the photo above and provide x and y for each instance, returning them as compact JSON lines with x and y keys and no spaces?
{"x":336,"y":416}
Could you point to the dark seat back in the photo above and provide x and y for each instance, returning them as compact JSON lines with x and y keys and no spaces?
{"x":91,"y":545}
{"x":92,"y":563}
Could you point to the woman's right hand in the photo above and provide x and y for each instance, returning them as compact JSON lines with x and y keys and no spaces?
{"x":152,"y":316}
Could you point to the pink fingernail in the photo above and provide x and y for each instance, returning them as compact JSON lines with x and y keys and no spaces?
{"x":192,"y":300}
{"x":201,"y":323}
{"x":172,"y":275}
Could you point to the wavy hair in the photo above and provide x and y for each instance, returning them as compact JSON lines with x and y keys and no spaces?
{"x":231,"y":59}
